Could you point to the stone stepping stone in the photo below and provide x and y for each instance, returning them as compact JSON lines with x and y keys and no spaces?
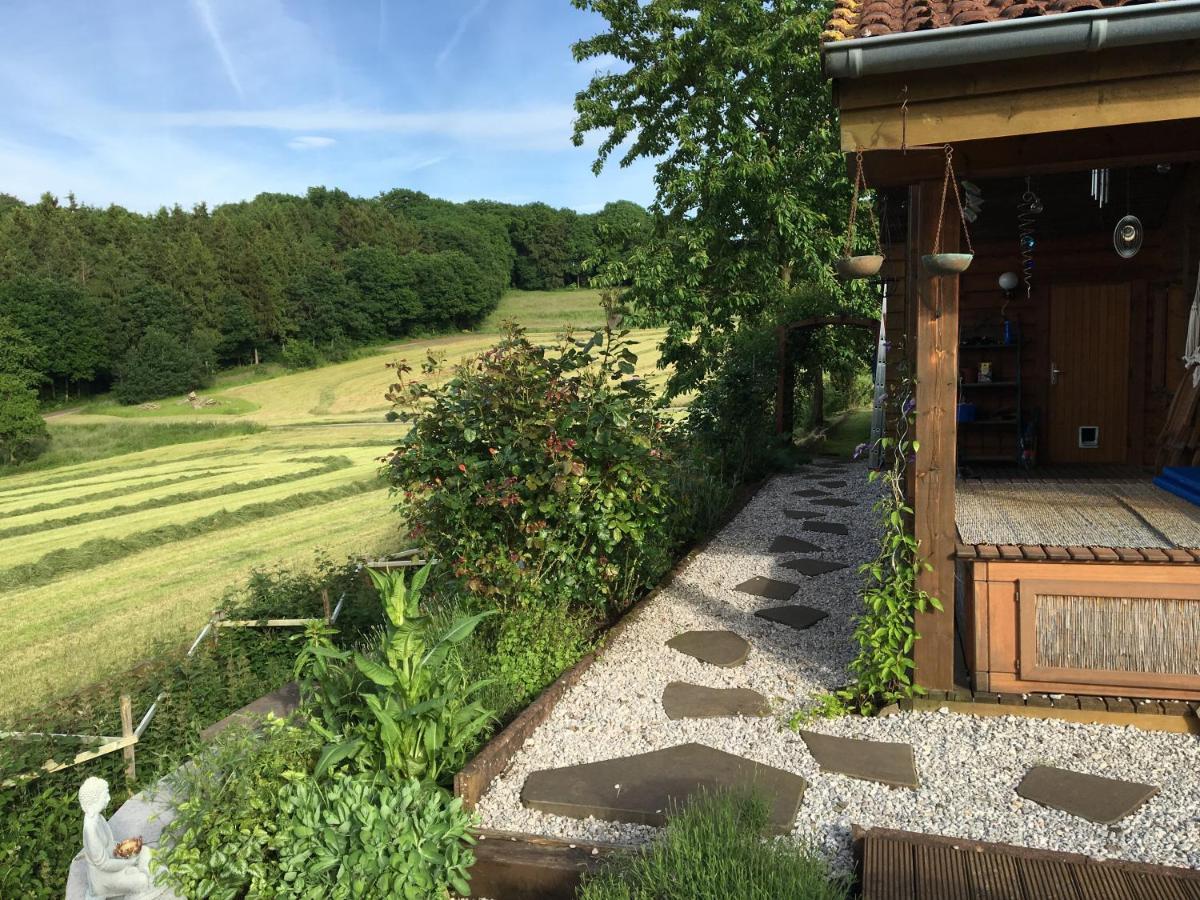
{"x":809,"y":493}
{"x":826,"y":527}
{"x":759,"y":586}
{"x":813,"y":567}
{"x":832,"y":484}
{"x":799,"y":617}
{"x":835,"y":501}
{"x":1102,"y":800}
{"x":717,"y":648}
{"x":785,"y":543}
{"x":880,"y":761}
{"x":681,"y":700}
{"x":644,"y":789}
{"x":804,"y":514}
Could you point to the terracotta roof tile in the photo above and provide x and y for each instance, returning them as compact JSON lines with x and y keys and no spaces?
{"x":854,"y":19}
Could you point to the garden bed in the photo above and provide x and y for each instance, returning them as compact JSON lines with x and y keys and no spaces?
{"x":968,"y":766}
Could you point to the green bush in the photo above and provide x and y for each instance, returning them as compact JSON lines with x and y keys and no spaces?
{"x":301,"y":355}
{"x":405,"y":707}
{"x":220,"y":843}
{"x":717,"y":848}
{"x":536,"y":643}
{"x":365,"y":835}
{"x":541,"y":474}
{"x":159,"y":365}
{"x":23,"y":434}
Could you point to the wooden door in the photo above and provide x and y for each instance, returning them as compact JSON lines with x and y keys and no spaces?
{"x":1089,"y":374}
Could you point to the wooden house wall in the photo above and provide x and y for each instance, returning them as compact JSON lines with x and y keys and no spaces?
{"x":1162,"y":278}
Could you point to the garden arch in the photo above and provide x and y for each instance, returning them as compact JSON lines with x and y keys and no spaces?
{"x":785,"y":392}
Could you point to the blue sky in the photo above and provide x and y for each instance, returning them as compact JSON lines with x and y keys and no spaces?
{"x":153,"y":102}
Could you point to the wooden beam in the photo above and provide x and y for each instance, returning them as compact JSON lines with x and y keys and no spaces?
{"x":1042,"y":154}
{"x":1156,"y":98}
{"x":979,"y":80}
{"x":936,"y":373}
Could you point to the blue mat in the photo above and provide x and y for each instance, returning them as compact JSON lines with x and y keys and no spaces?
{"x":1182,"y":481}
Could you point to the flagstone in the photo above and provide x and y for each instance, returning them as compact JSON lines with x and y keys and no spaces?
{"x":813,"y":567}
{"x":1091,"y":797}
{"x":681,"y":700}
{"x":785,"y":543}
{"x":882,"y":761}
{"x":759,"y":586}
{"x":799,"y":616}
{"x":717,"y":648}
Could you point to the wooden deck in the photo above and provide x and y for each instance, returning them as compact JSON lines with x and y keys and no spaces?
{"x":1052,"y":553}
{"x":902,"y":865}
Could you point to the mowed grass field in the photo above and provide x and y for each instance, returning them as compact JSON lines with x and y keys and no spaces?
{"x":103,"y":561}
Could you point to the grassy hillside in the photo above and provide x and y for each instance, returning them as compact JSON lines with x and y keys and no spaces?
{"x":139,"y":519}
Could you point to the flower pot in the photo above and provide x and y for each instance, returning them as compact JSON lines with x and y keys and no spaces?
{"x":858,"y":266}
{"x":946,"y":263}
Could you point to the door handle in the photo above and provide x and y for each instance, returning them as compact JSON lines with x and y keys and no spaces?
{"x":1055,"y":371}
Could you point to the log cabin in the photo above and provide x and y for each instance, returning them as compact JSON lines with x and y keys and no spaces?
{"x":1055,"y":490}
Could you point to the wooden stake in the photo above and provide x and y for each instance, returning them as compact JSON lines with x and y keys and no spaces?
{"x":325,"y":604}
{"x":126,"y":733}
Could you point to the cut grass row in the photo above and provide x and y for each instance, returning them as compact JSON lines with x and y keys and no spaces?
{"x":321,"y":467}
{"x":87,"y":625}
{"x":96,"y":551}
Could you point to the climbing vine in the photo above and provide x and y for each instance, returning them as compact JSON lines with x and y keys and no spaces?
{"x":886,"y":629}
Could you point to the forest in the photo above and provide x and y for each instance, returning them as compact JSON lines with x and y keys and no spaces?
{"x":150,"y":305}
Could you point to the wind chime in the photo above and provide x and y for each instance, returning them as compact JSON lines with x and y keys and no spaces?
{"x":848,"y":265}
{"x":937,"y":262}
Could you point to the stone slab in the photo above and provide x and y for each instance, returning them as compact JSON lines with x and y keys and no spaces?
{"x":645,"y":788}
{"x":681,"y":700}
{"x":838,"y":502}
{"x":717,"y":648}
{"x":804,"y":514}
{"x":281,"y":704}
{"x":826,"y":527}
{"x":785,"y":543}
{"x":1091,"y":797}
{"x":798,"y":616}
{"x":832,"y":484}
{"x":758,"y":586}
{"x":813,"y":567}
{"x":881,"y":761}
{"x":809,"y":493}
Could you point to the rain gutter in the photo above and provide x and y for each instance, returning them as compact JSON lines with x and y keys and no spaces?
{"x":1075,"y":32}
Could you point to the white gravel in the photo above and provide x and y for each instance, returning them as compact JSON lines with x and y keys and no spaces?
{"x":969,"y":766}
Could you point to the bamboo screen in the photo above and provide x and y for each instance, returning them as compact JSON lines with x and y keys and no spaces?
{"x":1122,"y":634}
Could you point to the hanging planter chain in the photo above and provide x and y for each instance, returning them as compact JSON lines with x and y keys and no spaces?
{"x":950,"y":179}
{"x":860,"y":184}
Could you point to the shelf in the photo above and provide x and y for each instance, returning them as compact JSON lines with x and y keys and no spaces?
{"x":987,"y":384}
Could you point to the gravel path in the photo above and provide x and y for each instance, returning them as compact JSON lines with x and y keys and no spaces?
{"x":968,"y":766}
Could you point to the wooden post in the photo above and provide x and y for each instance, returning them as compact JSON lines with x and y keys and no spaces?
{"x":785,"y":391}
{"x":127,"y":732}
{"x":935,"y":352}
{"x":325,"y":604}
{"x":818,"y":398}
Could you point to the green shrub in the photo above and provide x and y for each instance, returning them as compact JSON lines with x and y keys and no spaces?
{"x":364,"y":835}
{"x":159,"y":365}
{"x":535,"y":644}
{"x":23,"y":434}
{"x":301,"y":355}
{"x":405,"y":707}
{"x":541,"y":474}
{"x":220,"y":843}
{"x":716,"y":848}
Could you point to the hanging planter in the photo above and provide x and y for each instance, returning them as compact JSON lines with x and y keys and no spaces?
{"x":849,"y":266}
{"x":937,"y":262}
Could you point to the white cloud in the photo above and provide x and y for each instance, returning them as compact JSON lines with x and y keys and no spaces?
{"x":545,"y":127}
{"x":311,"y":142}
{"x":205,"y":12}
{"x":459,"y":30}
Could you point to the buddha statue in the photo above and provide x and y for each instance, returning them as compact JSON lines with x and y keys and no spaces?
{"x":113,"y":869}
